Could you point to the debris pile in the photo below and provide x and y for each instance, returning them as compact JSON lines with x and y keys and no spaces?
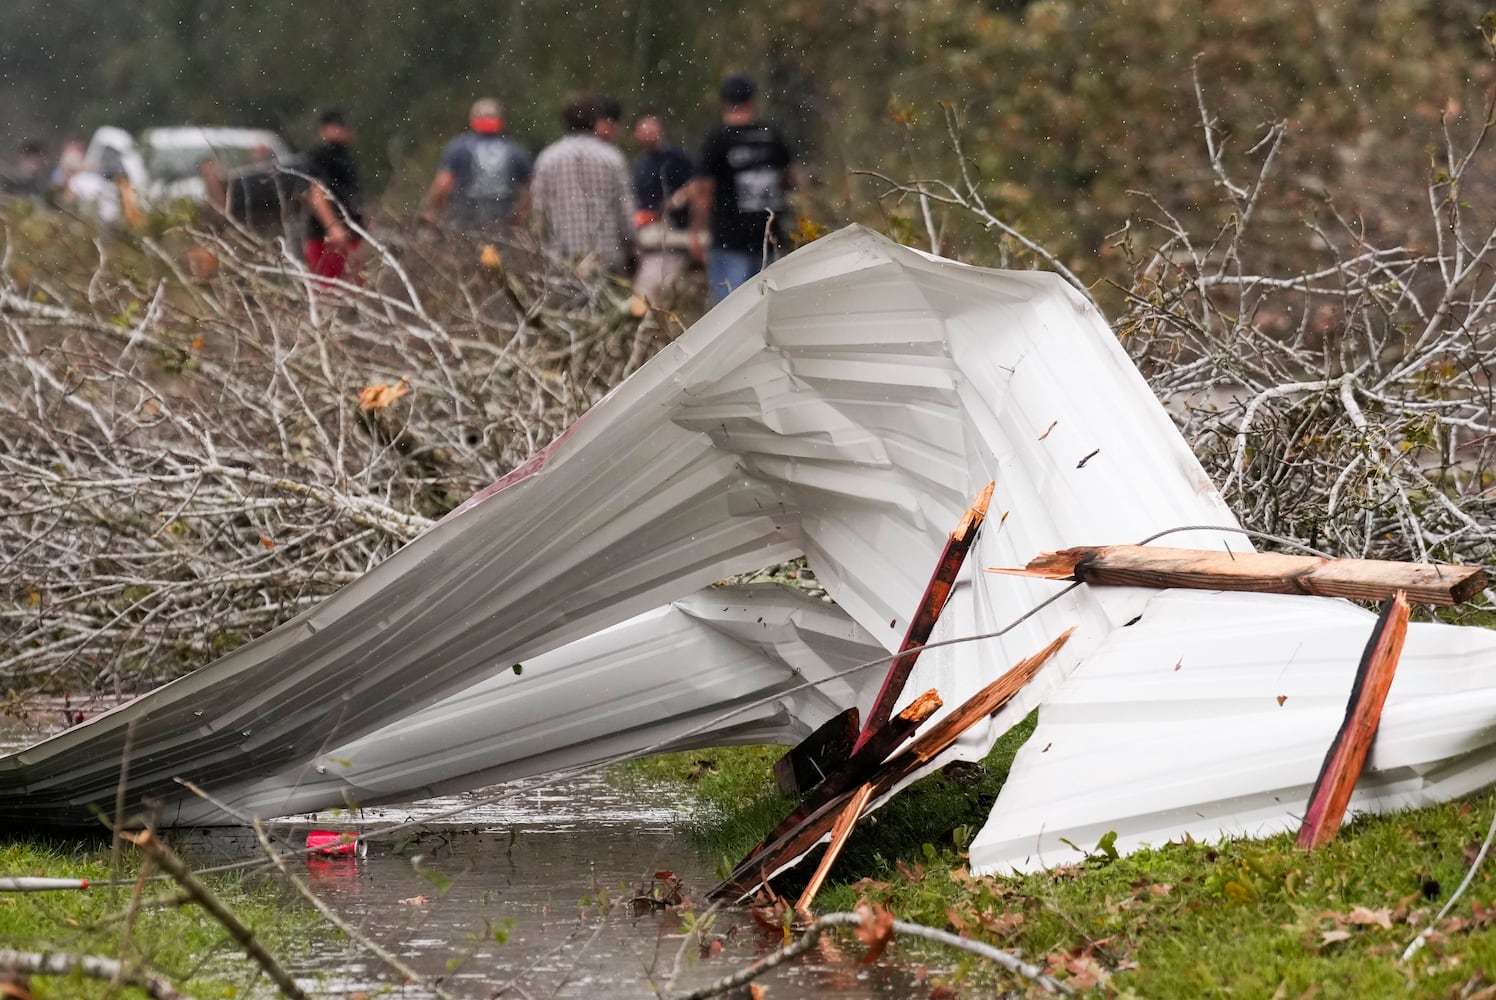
{"x":845,"y":405}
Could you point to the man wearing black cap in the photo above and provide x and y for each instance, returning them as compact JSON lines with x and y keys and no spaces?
{"x":741,"y":179}
{"x":333,"y":200}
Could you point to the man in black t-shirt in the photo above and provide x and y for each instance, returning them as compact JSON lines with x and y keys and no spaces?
{"x":742,"y":177}
{"x":334,"y":199}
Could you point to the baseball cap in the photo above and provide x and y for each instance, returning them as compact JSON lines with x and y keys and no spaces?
{"x":738,"y":88}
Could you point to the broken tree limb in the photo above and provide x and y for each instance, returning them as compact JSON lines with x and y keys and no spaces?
{"x":812,"y":934}
{"x":58,"y":963}
{"x":1347,"y":754}
{"x":862,"y":764}
{"x":760,"y":866}
{"x":840,"y":831}
{"x":923,"y":622}
{"x":807,"y":764}
{"x":1263,"y":572}
{"x":168,"y":861}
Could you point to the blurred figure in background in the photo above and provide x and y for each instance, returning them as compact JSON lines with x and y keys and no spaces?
{"x":581,"y":194}
{"x":742,"y":177}
{"x":30,"y":177}
{"x":334,"y":200}
{"x":662,"y":178}
{"x":609,"y":114}
{"x":482,"y":176}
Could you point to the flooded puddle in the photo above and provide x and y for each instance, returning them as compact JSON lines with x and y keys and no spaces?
{"x":527,"y":898}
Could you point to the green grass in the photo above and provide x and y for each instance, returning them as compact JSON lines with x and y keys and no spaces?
{"x":735,"y":799}
{"x":1239,"y":919}
{"x":182,"y":944}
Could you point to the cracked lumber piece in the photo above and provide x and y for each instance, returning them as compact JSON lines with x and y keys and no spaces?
{"x":1346,"y":757}
{"x":930,"y":604}
{"x":1262,"y":572}
{"x":861,"y":765}
{"x":759,"y":867}
{"x":807,"y":764}
{"x":840,"y":831}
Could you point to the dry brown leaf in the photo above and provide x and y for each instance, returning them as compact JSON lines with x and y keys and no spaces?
{"x":1371,"y":918}
{"x":875,"y":931}
{"x":1281,"y":699}
{"x":957,"y":920}
{"x":1001,"y":924}
{"x":1332,"y":937}
{"x":380,"y":395}
{"x":1082,"y":971}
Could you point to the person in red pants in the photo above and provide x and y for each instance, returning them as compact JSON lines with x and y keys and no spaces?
{"x":334,"y":201}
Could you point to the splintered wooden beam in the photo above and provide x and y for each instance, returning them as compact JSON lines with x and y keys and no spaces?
{"x":862,"y":764}
{"x":923,"y":623}
{"x":1347,"y":754}
{"x":1263,"y":572}
{"x":840,"y":831}
{"x":761,"y":865}
{"x":807,"y":764}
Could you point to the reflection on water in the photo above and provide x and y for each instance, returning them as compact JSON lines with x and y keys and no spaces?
{"x":528,"y":900}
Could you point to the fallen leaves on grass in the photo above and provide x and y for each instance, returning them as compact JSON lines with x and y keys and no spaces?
{"x":1079,"y":968}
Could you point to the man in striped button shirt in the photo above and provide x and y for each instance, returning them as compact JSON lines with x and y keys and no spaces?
{"x":581,"y":194}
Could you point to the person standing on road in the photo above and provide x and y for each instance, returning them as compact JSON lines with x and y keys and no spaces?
{"x":745,"y":170}
{"x":662,"y":178}
{"x":482,"y":175}
{"x":581,"y":196}
{"x":334,"y":199}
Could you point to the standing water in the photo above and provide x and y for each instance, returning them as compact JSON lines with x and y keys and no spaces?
{"x":544,"y":894}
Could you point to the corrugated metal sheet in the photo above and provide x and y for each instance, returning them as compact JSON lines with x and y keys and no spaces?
{"x":1211,"y":715}
{"x":847,"y":404}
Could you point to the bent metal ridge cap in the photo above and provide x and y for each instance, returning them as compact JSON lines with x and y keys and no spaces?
{"x":846,"y":404}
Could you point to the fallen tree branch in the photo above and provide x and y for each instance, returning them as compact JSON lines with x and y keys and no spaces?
{"x":166,"y":859}
{"x":60,"y":963}
{"x":807,"y":940}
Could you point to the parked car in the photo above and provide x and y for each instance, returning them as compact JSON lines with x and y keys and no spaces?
{"x":239,"y":169}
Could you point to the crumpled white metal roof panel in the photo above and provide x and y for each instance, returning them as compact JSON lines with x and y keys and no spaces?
{"x":847,"y":403}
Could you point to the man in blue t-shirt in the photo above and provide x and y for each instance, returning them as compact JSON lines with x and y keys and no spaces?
{"x":742,"y":177}
{"x":482,"y":175}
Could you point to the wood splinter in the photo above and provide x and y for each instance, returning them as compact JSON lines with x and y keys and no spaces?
{"x":785,"y":849}
{"x":937,"y":591}
{"x":1261,"y":572}
{"x":1346,"y":757}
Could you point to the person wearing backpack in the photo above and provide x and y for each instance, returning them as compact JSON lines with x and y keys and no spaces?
{"x":482,"y":176}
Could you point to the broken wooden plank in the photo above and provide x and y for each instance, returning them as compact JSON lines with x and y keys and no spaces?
{"x":862,"y":764}
{"x":937,"y":591}
{"x":1346,"y":757}
{"x":840,"y":831}
{"x":1263,"y":572}
{"x":762,"y":865}
{"x":807,"y":764}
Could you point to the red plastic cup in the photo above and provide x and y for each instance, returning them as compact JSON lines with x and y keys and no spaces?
{"x":334,"y":842}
